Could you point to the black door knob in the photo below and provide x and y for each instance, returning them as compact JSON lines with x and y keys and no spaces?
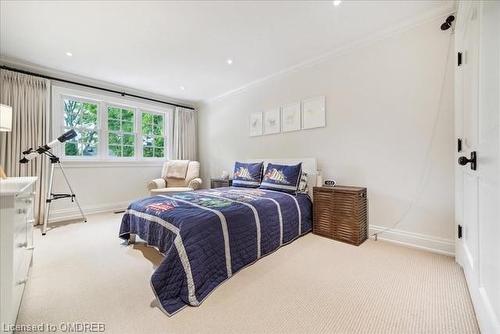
{"x":473,"y":160}
{"x":463,"y":161}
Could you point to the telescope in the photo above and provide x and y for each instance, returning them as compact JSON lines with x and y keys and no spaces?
{"x":31,"y":154}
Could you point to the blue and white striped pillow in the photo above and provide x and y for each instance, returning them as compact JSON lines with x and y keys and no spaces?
{"x":284,"y":178}
{"x":303,"y":186}
{"x":247,"y":174}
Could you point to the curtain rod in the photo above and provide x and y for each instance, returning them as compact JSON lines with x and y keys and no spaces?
{"x":94,"y":87}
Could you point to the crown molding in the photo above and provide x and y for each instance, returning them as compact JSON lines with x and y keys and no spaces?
{"x":22,"y":65}
{"x":400,"y":28}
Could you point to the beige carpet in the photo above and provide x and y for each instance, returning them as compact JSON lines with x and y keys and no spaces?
{"x":82,"y":272}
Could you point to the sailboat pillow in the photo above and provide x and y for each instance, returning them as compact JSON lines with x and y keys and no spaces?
{"x":247,"y":174}
{"x":284,"y":178}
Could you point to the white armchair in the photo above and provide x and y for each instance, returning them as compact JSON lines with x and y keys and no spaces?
{"x":165,"y":184}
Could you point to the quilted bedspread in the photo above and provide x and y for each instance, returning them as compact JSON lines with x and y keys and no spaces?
{"x":208,"y":235}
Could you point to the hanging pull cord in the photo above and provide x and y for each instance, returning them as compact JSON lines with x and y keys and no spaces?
{"x":427,"y":157}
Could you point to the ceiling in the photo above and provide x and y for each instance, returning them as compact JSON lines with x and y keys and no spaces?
{"x":160,"y":47}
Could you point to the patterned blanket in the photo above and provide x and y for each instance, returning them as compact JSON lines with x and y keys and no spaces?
{"x":208,"y":235}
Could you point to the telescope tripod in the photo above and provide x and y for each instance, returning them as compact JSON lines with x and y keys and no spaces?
{"x":54,"y":160}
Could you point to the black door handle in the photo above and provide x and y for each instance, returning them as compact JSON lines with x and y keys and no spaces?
{"x":473,"y":160}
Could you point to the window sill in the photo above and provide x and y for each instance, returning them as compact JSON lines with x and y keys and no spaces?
{"x":69,"y":163}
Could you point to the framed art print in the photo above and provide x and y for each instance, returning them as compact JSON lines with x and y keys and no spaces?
{"x":272,"y":121}
{"x":290,"y":117}
{"x":313,"y":113}
{"x":256,"y":124}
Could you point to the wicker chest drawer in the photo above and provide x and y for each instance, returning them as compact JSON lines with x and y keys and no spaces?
{"x":341,"y":213}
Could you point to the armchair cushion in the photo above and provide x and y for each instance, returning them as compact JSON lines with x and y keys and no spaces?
{"x":177,"y":169}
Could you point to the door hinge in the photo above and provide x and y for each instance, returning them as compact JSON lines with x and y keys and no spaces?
{"x":459,"y":144}
{"x":459,"y":59}
{"x":459,"y":231}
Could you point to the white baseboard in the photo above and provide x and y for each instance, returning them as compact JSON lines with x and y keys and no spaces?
{"x":416,"y":240}
{"x":485,"y":312}
{"x":410,"y":239}
{"x":73,"y":213}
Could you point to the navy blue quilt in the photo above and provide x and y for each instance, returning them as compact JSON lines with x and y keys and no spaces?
{"x":207,"y":236}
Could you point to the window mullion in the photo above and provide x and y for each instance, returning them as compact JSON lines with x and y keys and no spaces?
{"x":165,"y":141}
{"x":137,"y":141}
{"x":103,"y":143}
{"x":138,"y":134}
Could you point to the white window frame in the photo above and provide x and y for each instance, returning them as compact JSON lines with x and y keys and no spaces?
{"x":107,"y":131}
{"x":62,"y":127}
{"x":166,"y":140}
{"x":103,"y":101}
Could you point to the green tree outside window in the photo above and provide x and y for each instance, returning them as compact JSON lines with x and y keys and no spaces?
{"x":121,"y":137}
{"x":153,"y":141}
{"x":82,"y":117}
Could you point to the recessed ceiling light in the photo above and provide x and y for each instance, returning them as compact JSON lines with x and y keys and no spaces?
{"x":182,"y":87}
{"x":69,"y":54}
{"x":229,"y":61}
{"x":336,"y":2}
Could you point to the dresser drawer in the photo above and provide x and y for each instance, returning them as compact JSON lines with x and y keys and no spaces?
{"x":22,"y":253}
{"x":24,"y":204}
{"x":23,"y":213}
{"x":16,"y":247}
{"x":20,"y":240}
{"x":16,"y":297}
{"x":21,"y":273}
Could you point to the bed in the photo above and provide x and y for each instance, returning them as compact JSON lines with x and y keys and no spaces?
{"x":206,"y":236}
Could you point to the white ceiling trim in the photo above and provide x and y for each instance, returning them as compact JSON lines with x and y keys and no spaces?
{"x":16,"y":63}
{"x":372,"y":38}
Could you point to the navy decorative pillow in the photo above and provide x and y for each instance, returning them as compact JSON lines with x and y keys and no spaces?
{"x":247,"y":174}
{"x":282,"y":177}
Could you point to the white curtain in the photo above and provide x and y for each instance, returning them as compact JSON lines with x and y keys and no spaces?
{"x":185,"y":146}
{"x":29,"y":98}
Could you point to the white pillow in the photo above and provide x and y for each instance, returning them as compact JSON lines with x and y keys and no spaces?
{"x":303,"y":183}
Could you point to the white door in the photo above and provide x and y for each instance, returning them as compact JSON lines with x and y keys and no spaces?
{"x":477,"y":111}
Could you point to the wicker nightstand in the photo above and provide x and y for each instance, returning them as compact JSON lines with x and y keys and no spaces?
{"x":219,"y":183}
{"x":341,"y":213}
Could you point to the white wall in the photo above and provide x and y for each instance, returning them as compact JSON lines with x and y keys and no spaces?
{"x":382,"y":100}
{"x":101,"y":187}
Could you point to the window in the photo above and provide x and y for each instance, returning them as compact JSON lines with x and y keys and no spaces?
{"x":153,"y":140}
{"x":83,"y":118}
{"x":110,"y":128}
{"x":121,"y":137}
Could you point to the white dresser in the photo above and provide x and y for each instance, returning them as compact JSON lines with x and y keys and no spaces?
{"x":16,"y":243}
